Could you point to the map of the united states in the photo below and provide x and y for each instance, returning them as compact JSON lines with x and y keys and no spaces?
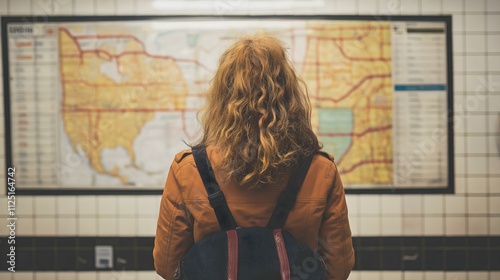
{"x":130,"y":94}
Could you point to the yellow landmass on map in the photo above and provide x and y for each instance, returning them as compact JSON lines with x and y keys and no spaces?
{"x":108,"y":95}
{"x":347,"y":68}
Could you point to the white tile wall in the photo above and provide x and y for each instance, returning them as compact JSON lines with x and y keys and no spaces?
{"x":474,"y":210}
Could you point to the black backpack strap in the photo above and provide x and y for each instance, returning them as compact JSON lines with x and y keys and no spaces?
{"x":289,"y":195}
{"x":215,"y":195}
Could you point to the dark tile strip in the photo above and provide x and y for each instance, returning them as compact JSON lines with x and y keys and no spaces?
{"x":424,"y":253}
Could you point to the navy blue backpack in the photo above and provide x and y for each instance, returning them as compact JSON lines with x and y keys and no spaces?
{"x":255,"y":253}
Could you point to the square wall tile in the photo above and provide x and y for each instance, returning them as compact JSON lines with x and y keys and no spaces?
{"x":374,"y":275}
{"x":494,"y":225}
{"x":493,"y":5}
{"x":493,"y":42}
{"x":43,"y":7}
{"x":84,"y":7}
{"x":107,"y":227}
{"x":458,"y":23}
{"x":25,"y":226}
{"x":390,"y":7}
{"x":477,"y":226}
{"x":63,"y":7}
{"x":87,"y":205}
{"x":452,"y":275}
{"x":476,"y":145}
{"x":476,"y":63}
{"x":410,"y":7}
{"x":88,"y":275}
{"x":477,"y":185}
{"x":477,"y":165}
{"x":20,"y":7}
{"x":107,"y":205}
{"x":476,"y":124}
{"x":494,"y":183}
{"x":369,"y":204}
{"x":434,"y":226}
{"x":105,"y":7}
{"x":345,"y":7}
{"x":127,"y":226}
{"x":476,"y":102}
{"x":494,"y":64}
{"x":354,"y":224}
{"x":352,"y":204}
{"x":494,"y":205}
{"x":146,"y":226}
{"x":474,"y":23}
{"x":493,"y":125}
{"x":412,"y":204}
{"x":475,"y":43}
{"x":434,"y":275}
{"x":475,"y":6}
{"x":494,"y":106}
{"x":413,"y":275}
{"x":87,"y":226}
{"x":392,"y":204}
{"x":458,"y":63}
{"x":433,"y":204}
{"x":460,"y":186}
{"x":494,"y":166}
{"x":370,"y":226}
{"x":45,"y":205}
{"x":22,"y":275}
{"x":391,"y":226}
{"x":413,"y":225}
{"x":24,"y":206}
{"x":4,"y":7}
{"x":148,"y":205}
{"x":125,"y":7}
{"x":392,"y":275}
{"x":455,"y":226}
{"x":455,"y":204}
{"x":450,"y":6}
{"x":127,"y":205}
{"x":431,"y":7}
{"x":477,"y":205}
{"x":45,"y":226}
{"x":67,"y":226}
{"x":66,"y":205}
{"x":493,"y":23}
{"x":480,"y":275}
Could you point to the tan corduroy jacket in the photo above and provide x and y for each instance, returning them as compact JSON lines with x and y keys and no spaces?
{"x":318,"y":219}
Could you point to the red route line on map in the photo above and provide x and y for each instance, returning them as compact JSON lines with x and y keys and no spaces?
{"x":123,"y":110}
{"x":144,"y":52}
{"x":354,"y":88}
{"x":363,"y":162}
{"x":358,"y":134}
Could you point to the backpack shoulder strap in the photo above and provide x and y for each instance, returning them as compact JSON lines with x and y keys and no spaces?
{"x":215,"y":196}
{"x":289,"y":195}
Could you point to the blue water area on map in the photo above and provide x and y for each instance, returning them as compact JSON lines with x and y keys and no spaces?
{"x":332,"y":122}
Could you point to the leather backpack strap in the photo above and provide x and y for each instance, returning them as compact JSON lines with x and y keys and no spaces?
{"x":289,"y":195}
{"x":215,"y":196}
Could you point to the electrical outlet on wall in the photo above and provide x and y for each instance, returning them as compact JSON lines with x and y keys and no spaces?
{"x":103,"y":257}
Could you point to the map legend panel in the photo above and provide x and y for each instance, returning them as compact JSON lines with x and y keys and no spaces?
{"x":420,"y":104}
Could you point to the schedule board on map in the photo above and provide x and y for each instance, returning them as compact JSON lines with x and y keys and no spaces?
{"x":102,"y":104}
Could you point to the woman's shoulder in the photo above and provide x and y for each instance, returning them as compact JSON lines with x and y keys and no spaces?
{"x":180,"y":156}
{"x":325,"y":156}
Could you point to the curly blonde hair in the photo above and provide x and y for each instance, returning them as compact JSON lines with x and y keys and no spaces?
{"x":257,"y":113}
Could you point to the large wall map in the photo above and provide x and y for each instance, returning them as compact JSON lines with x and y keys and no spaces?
{"x":106,"y":105}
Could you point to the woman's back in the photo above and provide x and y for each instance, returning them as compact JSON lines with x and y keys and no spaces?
{"x":257,"y":127}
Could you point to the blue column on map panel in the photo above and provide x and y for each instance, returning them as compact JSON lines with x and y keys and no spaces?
{"x":335,"y":129}
{"x":420,"y":87}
